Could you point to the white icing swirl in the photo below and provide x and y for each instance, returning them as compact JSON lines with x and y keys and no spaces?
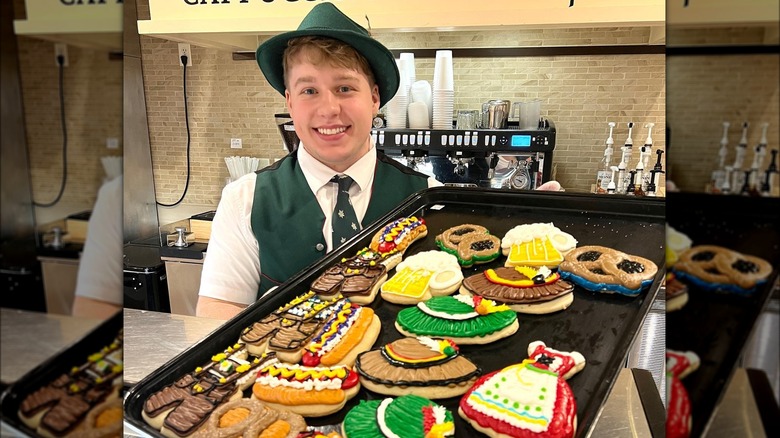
{"x":562,"y":241}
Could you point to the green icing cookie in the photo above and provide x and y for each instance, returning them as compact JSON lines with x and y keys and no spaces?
{"x":360,"y":422}
{"x":414,"y":320}
{"x":404,"y":415}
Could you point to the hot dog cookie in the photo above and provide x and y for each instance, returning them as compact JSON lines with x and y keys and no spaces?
{"x":357,"y":278}
{"x":62,"y":406}
{"x":288,"y":329}
{"x":180,"y":409}
{"x":536,"y":245}
{"x":392,"y":240}
{"x":470,"y":244}
{"x":463,"y":319}
{"x":522,"y":288}
{"x":602,"y":269}
{"x":349,"y":332}
{"x":428,"y":367}
{"x":247,"y":417}
{"x":308,"y":391}
{"x":527,"y":399}
{"x":421,"y":276}
{"x":715,"y":268}
{"x":409,"y":416}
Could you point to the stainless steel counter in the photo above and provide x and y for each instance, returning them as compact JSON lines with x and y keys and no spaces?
{"x":152,"y":339}
{"x":27,"y":339}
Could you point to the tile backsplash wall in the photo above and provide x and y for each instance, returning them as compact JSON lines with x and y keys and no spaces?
{"x":92,"y":85}
{"x":230,"y":99}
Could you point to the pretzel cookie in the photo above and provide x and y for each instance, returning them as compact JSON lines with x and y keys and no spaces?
{"x":602,"y":269}
{"x":392,"y":240}
{"x":716,"y":268}
{"x":470,"y":244}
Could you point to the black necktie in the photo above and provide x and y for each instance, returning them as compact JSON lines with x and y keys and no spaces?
{"x":344,"y":221}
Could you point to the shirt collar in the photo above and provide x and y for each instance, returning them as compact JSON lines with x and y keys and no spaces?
{"x":317,"y":174}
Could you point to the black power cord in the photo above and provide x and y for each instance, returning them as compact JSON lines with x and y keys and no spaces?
{"x":61,"y":63}
{"x":187,"y":124}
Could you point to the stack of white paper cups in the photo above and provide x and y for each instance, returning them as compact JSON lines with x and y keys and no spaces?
{"x":443,"y":90}
{"x":397,"y":107}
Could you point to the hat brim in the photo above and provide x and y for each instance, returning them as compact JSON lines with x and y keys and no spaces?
{"x":269,"y":58}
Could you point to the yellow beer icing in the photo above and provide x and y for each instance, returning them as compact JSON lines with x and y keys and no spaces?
{"x":408,"y":282}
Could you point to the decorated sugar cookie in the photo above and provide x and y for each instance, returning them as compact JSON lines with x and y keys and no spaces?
{"x":527,"y":399}
{"x":523,"y":288}
{"x":678,"y":419}
{"x":421,"y":276}
{"x":715,"y":268}
{"x":247,"y":417}
{"x":181,"y":408}
{"x":602,"y":269}
{"x":536,"y":245}
{"x":392,"y":240}
{"x":308,"y":391}
{"x":357,"y":278}
{"x":349,"y":332}
{"x":409,"y":416}
{"x":676,"y":293}
{"x":463,"y":319}
{"x":470,"y":243}
{"x":288,"y":329}
{"x":428,"y":367}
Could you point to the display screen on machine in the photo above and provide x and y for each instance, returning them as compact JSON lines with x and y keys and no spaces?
{"x":520,"y":141}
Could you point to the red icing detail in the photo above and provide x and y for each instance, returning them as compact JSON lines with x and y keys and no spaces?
{"x":428,"y":419}
{"x":568,"y":361}
{"x":350,"y":381}
{"x":561,"y":426}
{"x":678,"y":418}
{"x":452,"y":343}
{"x":679,"y":365}
{"x":310,"y":359}
{"x":386,"y":247}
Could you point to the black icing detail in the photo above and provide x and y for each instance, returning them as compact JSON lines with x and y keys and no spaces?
{"x":538,"y":279}
{"x":545,"y":360}
{"x":703,"y":256}
{"x":403,"y":364}
{"x":745,"y":266}
{"x":462,"y":231}
{"x":482,"y":245}
{"x":630,"y":267}
{"x":598,"y":271}
{"x":713,"y":271}
{"x":589,"y":256}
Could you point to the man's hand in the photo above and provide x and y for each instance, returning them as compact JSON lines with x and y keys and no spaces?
{"x":551,"y":186}
{"x":218,"y":309}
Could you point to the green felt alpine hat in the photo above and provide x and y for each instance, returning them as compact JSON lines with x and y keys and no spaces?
{"x":326,"y":20}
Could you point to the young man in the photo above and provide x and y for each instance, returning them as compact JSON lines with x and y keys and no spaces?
{"x":270,"y":225}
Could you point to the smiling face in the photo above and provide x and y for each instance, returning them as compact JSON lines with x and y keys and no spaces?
{"x":332,"y":106}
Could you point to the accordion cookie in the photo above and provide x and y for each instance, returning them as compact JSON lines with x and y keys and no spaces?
{"x":602,"y":269}
{"x":409,"y":416}
{"x":308,"y":391}
{"x":288,"y":329}
{"x":715,"y":268}
{"x":527,"y":399}
{"x":349,"y":332}
{"x":536,"y":245}
{"x":246,"y":417}
{"x":463,"y":319}
{"x":357,"y":278}
{"x":394,"y":238}
{"x":180,"y":409}
{"x":470,"y":243}
{"x":428,"y":367}
{"x":421,"y":276}
{"x":524,"y":289}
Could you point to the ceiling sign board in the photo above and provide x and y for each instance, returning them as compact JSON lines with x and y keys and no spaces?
{"x":90,"y":23}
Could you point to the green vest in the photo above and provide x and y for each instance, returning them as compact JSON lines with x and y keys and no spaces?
{"x":287,"y":220}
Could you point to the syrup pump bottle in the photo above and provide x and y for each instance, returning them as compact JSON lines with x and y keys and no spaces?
{"x":758,"y":158}
{"x":603,"y":176}
{"x":631,"y":188}
{"x":626,"y":149}
{"x":719,"y":175}
{"x":769,"y":174}
{"x":611,"y":187}
{"x":644,"y":154}
{"x":740,"y":158}
{"x":651,"y":187}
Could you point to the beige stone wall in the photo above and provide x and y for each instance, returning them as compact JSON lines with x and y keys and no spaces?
{"x":230,"y":99}
{"x":93,"y":110}
{"x":705,"y":91}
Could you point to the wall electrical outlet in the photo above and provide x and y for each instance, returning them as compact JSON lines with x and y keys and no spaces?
{"x":61,"y":49}
{"x":235,"y":143}
{"x":184,"y":50}
{"x":112,"y":143}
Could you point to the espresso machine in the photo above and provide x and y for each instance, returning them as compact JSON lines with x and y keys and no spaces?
{"x":509,"y":158}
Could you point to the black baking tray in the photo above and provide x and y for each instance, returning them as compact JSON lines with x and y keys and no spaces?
{"x":717,"y":326}
{"x":600,"y":326}
{"x":75,"y":354}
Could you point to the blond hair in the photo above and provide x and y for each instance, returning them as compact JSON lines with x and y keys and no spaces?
{"x":322,"y":50}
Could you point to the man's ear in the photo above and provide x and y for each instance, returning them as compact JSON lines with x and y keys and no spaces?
{"x":288,"y":101}
{"x":375,"y":98}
